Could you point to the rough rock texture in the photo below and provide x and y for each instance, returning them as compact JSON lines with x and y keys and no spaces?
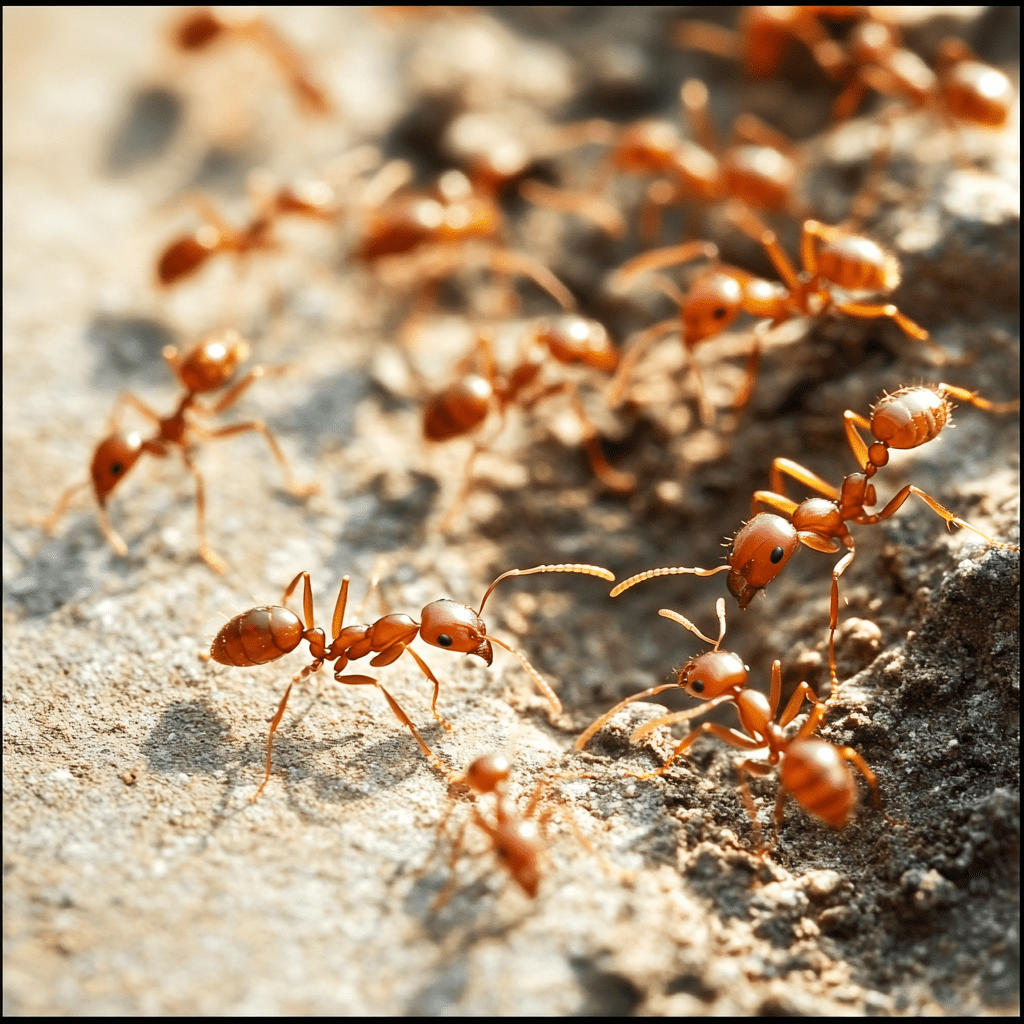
{"x":140,"y":878}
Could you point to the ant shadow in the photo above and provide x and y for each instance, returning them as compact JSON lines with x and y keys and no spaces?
{"x":128,"y":350}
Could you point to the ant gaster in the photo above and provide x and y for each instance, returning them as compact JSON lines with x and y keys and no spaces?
{"x":210,"y":365}
{"x":906,"y":419}
{"x":264,"y":634}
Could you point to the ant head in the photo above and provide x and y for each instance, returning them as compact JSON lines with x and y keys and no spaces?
{"x":709,"y":675}
{"x":486,"y":774}
{"x":574,"y":339}
{"x":114,"y":456}
{"x":760,"y":551}
{"x":455,"y":627}
{"x":212,"y":363}
{"x":714,"y":302}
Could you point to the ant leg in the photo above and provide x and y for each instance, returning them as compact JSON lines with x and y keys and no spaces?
{"x":49,"y":524}
{"x":704,"y":407}
{"x":539,"y":681}
{"x":402,"y":717}
{"x":951,"y":520}
{"x":776,"y":502}
{"x":746,"y":390}
{"x":593,"y":208}
{"x":758,"y":768}
{"x":126,"y":398}
{"x":613,"y":395}
{"x":275,"y":722}
{"x":674,"y":717}
{"x":731,"y":736}
{"x":290,"y":64}
{"x":833,"y":621}
{"x":504,"y":261}
{"x":113,"y":537}
{"x":207,"y":553}
{"x":295,"y":488}
{"x":235,"y":392}
{"x":851,"y":421}
{"x":749,"y":128}
{"x":660,"y":259}
{"x":693,"y":98}
{"x":782,"y":468}
{"x":963,"y":395}
{"x":425,"y":669}
{"x":596,"y":726}
{"x":464,"y":488}
{"x":708,"y":38}
{"x":875,"y":311}
{"x":802,"y":692}
{"x":613,"y":479}
{"x":751,"y":225}
{"x":851,"y":755}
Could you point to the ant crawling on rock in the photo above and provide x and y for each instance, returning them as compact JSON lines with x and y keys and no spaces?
{"x":463,"y":406}
{"x":908,"y":418}
{"x":202,"y":28}
{"x":812,"y":771}
{"x":264,"y":634}
{"x":210,"y":365}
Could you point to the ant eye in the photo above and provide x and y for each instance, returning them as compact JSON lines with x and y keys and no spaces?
{"x":116,"y":468}
{"x":776,"y":556}
{"x":445,"y":640}
{"x":697,"y":686}
{"x":719,"y":313}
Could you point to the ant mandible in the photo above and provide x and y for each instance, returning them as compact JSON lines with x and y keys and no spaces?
{"x":202,"y":28}
{"x":265,"y":634}
{"x":464,"y":405}
{"x":210,"y":365}
{"x":812,"y":771}
{"x":908,"y":418}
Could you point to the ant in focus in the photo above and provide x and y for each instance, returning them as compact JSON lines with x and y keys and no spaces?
{"x":908,"y":418}
{"x":265,"y":634}
{"x":812,"y":771}
{"x":202,"y":28}
{"x":463,"y":406}
{"x":210,"y":365}
{"x":832,"y":258}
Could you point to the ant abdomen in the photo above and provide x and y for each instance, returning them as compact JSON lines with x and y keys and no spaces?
{"x":257,"y":636}
{"x":910,"y":417}
{"x":817,"y":776}
{"x":458,"y":409}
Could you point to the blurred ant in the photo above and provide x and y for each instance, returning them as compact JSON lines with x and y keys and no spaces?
{"x":835,"y":262}
{"x":210,"y":365}
{"x":264,"y":634}
{"x":813,"y":771}
{"x":463,"y":406}
{"x":202,"y":28}
{"x":188,"y":254}
{"x":906,"y":419}
{"x":426,"y":234}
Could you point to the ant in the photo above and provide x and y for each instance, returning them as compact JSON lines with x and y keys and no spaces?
{"x":202,"y":28}
{"x":210,"y":365}
{"x":908,"y":418}
{"x":464,"y":405}
{"x":832,"y":258}
{"x":813,"y":771}
{"x":264,"y":634}
{"x":188,"y":254}
{"x":427,"y":232}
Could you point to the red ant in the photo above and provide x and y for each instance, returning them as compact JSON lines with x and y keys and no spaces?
{"x":812,"y":771}
{"x":201,"y":29}
{"x":208,"y":366}
{"x":428,"y":232}
{"x":463,"y":406}
{"x":188,"y":254}
{"x":906,"y":419}
{"x":264,"y":634}
{"x":832,"y":258}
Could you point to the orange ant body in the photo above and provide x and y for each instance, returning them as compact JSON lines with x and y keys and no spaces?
{"x":188,"y":254}
{"x":210,"y":365}
{"x":463,"y":406}
{"x":906,"y":419}
{"x":265,"y":634}
{"x":202,"y":28}
{"x":832,"y":258}
{"x":812,"y":771}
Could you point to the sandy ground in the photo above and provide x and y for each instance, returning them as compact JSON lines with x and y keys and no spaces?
{"x":139,"y":877}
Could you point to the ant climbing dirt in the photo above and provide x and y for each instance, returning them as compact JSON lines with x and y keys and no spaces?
{"x":908,"y":418}
{"x":815,"y":773}
{"x":202,"y":28}
{"x":464,"y":406}
{"x":264,"y":634}
{"x":210,"y":365}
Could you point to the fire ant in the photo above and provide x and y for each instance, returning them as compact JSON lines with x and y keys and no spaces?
{"x":210,"y":365}
{"x":202,"y":28}
{"x":464,"y":405}
{"x":427,"y":233}
{"x":832,"y":258}
{"x":813,"y":771}
{"x":188,"y":254}
{"x":264,"y":634}
{"x":908,"y":418}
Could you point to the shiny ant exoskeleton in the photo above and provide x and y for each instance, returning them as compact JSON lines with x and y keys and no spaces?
{"x":812,"y":771}
{"x":832,"y":258}
{"x":264,"y":634}
{"x":463,"y":406}
{"x":210,"y":365}
{"x":202,"y":28}
{"x":906,"y":419}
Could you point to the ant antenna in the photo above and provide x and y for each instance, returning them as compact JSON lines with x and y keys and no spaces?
{"x":667,"y":613}
{"x":587,"y":570}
